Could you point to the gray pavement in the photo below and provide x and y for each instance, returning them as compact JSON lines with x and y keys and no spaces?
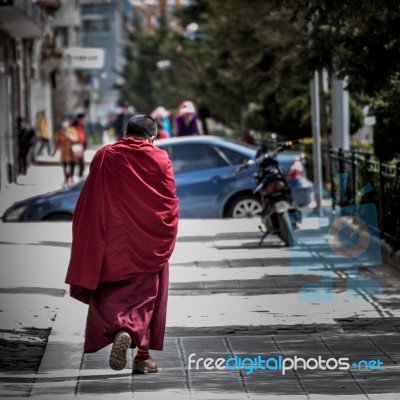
{"x":228,"y":297}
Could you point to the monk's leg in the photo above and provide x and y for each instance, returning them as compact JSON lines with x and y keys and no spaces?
{"x":143,"y":363}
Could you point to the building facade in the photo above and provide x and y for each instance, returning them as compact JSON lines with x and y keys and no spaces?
{"x":70,"y":84}
{"x":104,"y":25}
{"x":21,"y":25}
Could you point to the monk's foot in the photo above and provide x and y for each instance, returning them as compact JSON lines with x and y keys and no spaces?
{"x":144,"y":366}
{"x":118,"y":358}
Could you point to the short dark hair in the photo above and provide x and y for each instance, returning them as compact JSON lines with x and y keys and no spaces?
{"x":141,"y":125}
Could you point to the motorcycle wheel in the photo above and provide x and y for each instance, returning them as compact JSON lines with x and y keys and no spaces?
{"x":286,"y":229}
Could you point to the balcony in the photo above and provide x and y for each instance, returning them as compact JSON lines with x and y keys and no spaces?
{"x":20,"y":18}
{"x":49,"y":6}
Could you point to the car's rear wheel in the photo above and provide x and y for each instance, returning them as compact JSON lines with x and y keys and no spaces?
{"x":244,"y":206}
{"x":60,"y":216}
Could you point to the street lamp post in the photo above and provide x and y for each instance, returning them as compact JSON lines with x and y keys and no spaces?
{"x":316,"y":129}
{"x":340,"y":114}
{"x":316,"y":133}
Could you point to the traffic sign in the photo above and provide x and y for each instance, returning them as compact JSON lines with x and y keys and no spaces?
{"x":85,"y":57}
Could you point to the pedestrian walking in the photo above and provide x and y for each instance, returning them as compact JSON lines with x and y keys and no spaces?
{"x":122,"y":120}
{"x":26,"y":135}
{"x":161,"y":115}
{"x":80,"y":147}
{"x":124,"y":232}
{"x":65,"y":138}
{"x":43,"y":133}
{"x":187,"y":123}
{"x":204,"y":115}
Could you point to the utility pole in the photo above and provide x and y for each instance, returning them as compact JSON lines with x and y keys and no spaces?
{"x":316,"y":126}
{"x":316,"y":133}
{"x":340,"y":114}
{"x":325,"y":141}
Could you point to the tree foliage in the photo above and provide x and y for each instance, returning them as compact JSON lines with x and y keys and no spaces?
{"x":255,"y":58}
{"x":359,"y":39}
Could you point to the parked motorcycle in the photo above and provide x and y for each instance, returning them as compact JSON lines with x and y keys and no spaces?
{"x":279,"y":214}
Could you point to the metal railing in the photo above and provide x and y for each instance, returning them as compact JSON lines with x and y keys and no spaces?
{"x":362,"y":170}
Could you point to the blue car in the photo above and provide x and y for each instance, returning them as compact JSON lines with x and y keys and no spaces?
{"x":207,"y":185}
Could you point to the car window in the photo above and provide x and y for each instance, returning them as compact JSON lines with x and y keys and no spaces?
{"x":195,"y":157}
{"x":233,"y":156}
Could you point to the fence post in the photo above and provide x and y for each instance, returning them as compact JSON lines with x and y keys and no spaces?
{"x":353,"y":175}
{"x":397,"y":183}
{"x":341,"y":163}
{"x":333,"y":189}
{"x":341,"y":171}
{"x":381,"y":197}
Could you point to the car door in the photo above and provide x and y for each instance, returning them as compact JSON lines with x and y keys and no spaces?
{"x":202,"y":176}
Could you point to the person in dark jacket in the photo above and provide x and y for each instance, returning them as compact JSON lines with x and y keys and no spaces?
{"x":121,"y":122}
{"x":26,"y":137}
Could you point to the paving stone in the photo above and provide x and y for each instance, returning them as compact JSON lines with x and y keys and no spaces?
{"x":330,"y":384}
{"x":10,"y":390}
{"x":273,"y":383}
{"x":217,"y":382}
{"x":213,"y":264}
{"x":166,"y":394}
{"x":186,"y":286}
{"x":303,"y":346}
{"x":61,"y":355}
{"x":384,"y":396}
{"x":338,"y":396}
{"x":164,"y":380}
{"x":220,"y":395}
{"x":347,"y":345}
{"x":225,"y":284}
{"x":269,"y":396}
{"x":65,"y":387}
{"x":257,"y":283}
{"x":106,"y":385}
{"x":252,"y":262}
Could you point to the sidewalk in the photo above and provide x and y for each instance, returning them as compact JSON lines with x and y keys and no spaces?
{"x":228,"y":297}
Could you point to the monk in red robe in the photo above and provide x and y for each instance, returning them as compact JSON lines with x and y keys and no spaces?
{"x":124,"y":231}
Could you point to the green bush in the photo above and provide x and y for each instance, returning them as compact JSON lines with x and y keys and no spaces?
{"x":386,"y":131}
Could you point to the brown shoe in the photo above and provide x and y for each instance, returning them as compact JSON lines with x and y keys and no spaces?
{"x":122,"y":342}
{"x":141,"y":366}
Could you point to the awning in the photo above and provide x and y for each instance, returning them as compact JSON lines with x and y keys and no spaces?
{"x":20,"y":18}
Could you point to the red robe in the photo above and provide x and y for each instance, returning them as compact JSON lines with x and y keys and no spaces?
{"x":124,"y":230}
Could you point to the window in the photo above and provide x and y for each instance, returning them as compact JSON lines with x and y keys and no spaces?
{"x":61,"y":34}
{"x":195,"y":157}
{"x":96,"y":25}
{"x":233,"y":156}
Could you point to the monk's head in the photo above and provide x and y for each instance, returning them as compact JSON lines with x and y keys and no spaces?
{"x":142,"y":126}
